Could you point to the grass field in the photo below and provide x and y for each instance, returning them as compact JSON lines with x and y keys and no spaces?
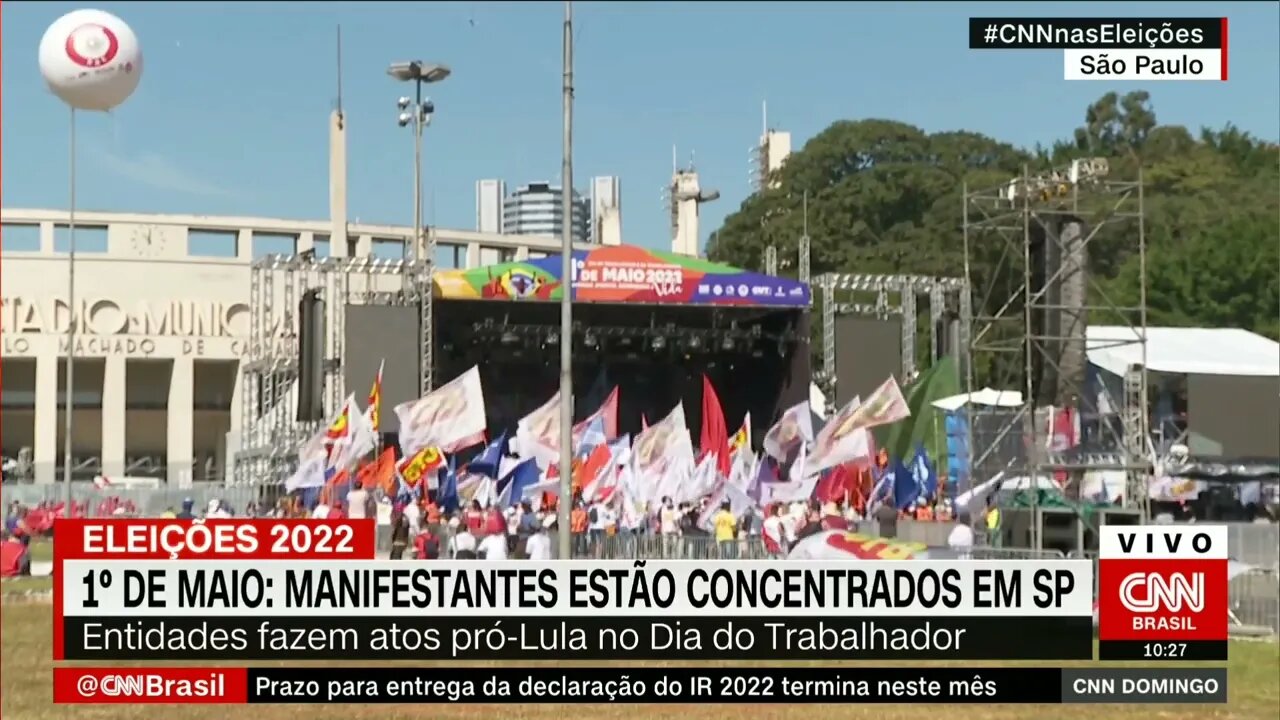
{"x":26,"y":669}
{"x":41,"y":551}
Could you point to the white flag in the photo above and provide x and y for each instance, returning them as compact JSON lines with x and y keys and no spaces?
{"x":790,"y":491}
{"x":309,"y":474}
{"x":358,"y":440}
{"x":667,"y":439}
{"x":792,"y":430}
{"x":704,"y":480}
{"x":451,"y":417}
{"x":846,"y":438}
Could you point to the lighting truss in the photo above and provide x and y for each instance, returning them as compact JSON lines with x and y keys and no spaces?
{"x":894,"y":295}
{"x":269,"y":431}
{"x":1052,"y":218}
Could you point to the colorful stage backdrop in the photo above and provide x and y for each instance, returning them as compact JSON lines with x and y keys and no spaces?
{"x":624,"y":274}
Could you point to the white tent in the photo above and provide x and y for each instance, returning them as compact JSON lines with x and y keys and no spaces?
{"x":985,"y":396}
{"x":1184,"y":351}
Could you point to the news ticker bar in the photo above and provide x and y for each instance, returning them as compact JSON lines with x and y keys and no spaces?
{"x":449,"y":685}
{"x":991,"y":33}
{"x":445,"y":637}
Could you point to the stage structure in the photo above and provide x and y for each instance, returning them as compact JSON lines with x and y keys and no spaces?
{"x":648,"y":322}
{"x":270,"y":429}
{"x":882,"y":297}
{"x":1027,"y":248}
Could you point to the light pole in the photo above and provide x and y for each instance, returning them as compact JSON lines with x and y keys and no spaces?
{"x":91,"y":60}
{"x":68,"y":403}
{"x":566,"y":297}
{"x":416,"y":114}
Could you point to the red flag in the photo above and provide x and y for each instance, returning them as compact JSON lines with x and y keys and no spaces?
{"x":587,"y":472}
{"x":608,"y":411}
{"x":1062,"y":436}
{"x":840,"y":484}
{"x":715,"y":434}
{"x":381,"y":472}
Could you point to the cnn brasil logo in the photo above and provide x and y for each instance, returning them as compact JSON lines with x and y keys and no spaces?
{"x":1162,"y":583}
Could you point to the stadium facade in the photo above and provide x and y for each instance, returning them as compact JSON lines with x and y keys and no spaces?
{"x":163,"y":307}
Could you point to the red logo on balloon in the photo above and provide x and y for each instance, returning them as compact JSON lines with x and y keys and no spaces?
{"x":92,"y":45}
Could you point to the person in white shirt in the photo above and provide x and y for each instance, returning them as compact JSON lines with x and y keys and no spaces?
{"x":961,"y":540}
{"x":462,"y":546}
{"x":413,"y":514}
{"x":357,"y":503}
{"x":774,"y":530}
{"x":493,"y":547}
{"x":538,"y":546}
{"x":320,"y":512}
{"x":608,"y":517}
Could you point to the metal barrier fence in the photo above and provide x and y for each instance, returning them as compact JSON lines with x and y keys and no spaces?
{"x":149,"y":502}
{"x":1255,"y":544}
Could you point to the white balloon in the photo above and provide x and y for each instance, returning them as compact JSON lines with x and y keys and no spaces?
{"x":91,"y":60}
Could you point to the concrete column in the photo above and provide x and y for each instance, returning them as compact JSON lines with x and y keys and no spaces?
{"x":473,"y":256}
{"x":113,"y":415}
{"x":244,"y":244}
{"x":364,"y":246}
{"x":338,"y":184}
{"x":181,"y":399}
{"x":46,"y":240}
{"x":46,"y":450}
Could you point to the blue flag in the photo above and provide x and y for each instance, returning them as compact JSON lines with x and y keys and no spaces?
{"x":522,"y":476}
{"x":592,"y":437}
{"x":310,"y":497}
{"x":406,"y":493}
{"x":490,"y":459}
{"x":925,"y":476}
{"x":447,"y":494}
{"x":905,"y":490}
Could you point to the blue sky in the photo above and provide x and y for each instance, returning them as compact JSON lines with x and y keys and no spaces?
{"x":231,"y":114}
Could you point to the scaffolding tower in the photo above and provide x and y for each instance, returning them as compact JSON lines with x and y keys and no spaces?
{"x":270,"y":433}
{"x":1027,"y":256}
{"x":889,"y":295}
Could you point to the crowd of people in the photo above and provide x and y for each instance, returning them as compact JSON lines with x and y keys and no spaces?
{"x":421,"y":529}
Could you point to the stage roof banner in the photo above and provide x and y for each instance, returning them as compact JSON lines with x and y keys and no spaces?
{"x":624,"y":274}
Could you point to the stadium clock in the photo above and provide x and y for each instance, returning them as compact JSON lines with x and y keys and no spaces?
{"x":147,"y":242}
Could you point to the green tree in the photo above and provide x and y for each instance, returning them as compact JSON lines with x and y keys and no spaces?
{"x":887,"y":197}
{"x":883,"y":196}
{"x":1226,"y":276}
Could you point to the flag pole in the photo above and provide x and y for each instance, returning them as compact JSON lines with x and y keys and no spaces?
{"x":566,"y":299}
